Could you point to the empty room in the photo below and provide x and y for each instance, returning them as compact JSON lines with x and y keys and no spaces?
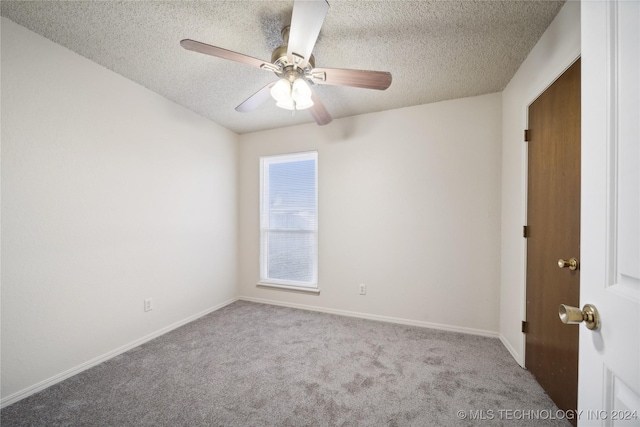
{"x":319,"y":213}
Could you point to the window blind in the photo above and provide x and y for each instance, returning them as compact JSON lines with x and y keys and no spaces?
{"x":289,"y":219}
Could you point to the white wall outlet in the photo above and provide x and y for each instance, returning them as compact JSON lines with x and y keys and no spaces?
{"x":363,"y":289}
{"x":148,"y":304}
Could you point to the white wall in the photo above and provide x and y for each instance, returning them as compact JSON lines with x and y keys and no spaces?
{"x":110,"y":194}
{"x":409,"y":204}
{"x":558,"y":48}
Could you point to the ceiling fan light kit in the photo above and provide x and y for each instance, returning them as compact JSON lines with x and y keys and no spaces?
{"x":292,"y":96}
{"x":294,"y":64}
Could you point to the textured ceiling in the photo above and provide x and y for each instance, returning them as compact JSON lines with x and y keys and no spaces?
{"x":436,"y":50}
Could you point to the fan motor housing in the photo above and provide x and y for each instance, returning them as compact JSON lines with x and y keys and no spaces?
{"x":279,"y":55}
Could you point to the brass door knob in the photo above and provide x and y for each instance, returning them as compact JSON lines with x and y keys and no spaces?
{"x":571,"y":263}
{"x":573,"y":315}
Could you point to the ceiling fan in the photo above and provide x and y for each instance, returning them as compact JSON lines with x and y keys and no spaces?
{"x":294,"y":64}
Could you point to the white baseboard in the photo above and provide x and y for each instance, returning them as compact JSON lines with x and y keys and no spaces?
{"x":113,"y":353}
{"x":103,"y":358}
{"x":512,"y":350}
{"x":401,"y":321}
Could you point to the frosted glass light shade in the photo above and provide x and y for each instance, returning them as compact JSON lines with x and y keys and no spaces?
{"x":296,"y":96}
{"x":287,"y":104}
{"x":300,"y":91}
{"x":281,"y":91}
{"x":301,"y":94}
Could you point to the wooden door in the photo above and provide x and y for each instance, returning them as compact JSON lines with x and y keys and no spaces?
{"x":553,"y":233}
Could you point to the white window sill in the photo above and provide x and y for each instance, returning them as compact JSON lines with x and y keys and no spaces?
{"x":289,"y":287}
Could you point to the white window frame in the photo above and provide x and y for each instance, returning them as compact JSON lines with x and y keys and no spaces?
{"x":264,"y":230}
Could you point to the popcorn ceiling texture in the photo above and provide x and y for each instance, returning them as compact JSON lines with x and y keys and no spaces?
{"x":436,"y":50}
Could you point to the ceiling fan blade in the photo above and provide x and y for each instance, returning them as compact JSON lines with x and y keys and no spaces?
{"x":207,"y":49}
{"x":255,"y":100}
{"x":318,"y":111}
{"x":306,"y":21}
{"x":356,"y":78}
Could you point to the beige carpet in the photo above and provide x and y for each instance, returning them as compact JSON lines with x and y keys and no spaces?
{"x":251,"y":364}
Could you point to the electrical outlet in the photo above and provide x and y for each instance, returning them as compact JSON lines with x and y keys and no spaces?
{"x":148,"y":304}
{"x":363,"y":289}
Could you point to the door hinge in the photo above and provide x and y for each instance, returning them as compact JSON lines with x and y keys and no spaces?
{"x":525,"y":231}
{"x":526,"y":135}
{"x":525,"y":327}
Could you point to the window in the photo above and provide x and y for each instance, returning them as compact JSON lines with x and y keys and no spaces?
{"x":289,"y":220}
